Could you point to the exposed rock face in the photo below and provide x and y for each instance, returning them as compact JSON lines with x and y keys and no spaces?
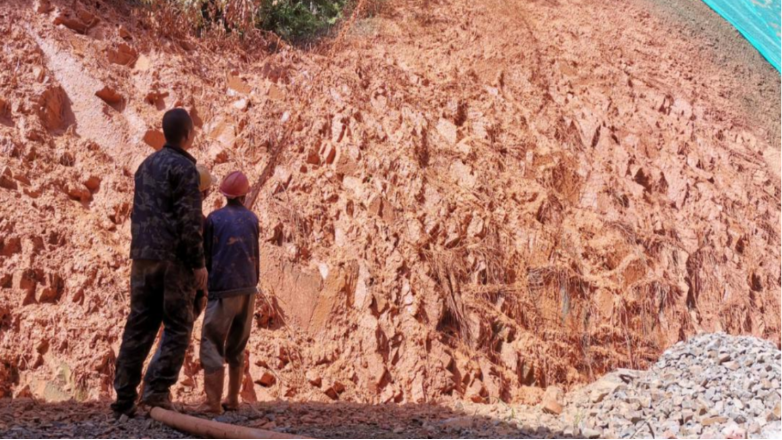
{"x":502,"y":201}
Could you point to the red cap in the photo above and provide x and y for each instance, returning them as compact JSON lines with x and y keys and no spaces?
{"x":235,"y":185}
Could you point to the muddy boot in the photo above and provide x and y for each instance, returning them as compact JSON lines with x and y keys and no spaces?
{"x":159,"y":400}
{"x":123,"y":409}
{"x":213,"y":385}
{"x":234,"y":386}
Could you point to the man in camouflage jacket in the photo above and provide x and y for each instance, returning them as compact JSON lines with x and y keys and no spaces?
{"x":167,"y":269}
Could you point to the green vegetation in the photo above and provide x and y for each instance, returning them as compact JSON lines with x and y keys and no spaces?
{"x":292,"y":20}
{"x":299,"y":19}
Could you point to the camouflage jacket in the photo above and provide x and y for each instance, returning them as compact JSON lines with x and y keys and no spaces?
{"x":166,"y":220}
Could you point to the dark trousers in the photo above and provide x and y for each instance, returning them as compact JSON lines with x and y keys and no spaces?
{"x":160,"y":292}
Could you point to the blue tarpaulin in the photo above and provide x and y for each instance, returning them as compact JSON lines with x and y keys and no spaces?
{"x":757,"y":20}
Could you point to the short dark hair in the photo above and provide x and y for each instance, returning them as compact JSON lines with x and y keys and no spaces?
{"x":176,"y":125}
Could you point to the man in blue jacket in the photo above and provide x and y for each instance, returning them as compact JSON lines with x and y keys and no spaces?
{"x":231,"y":244}
{"x":168,"y":266}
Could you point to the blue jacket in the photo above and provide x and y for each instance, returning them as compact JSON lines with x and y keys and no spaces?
{"x":231,"y":245}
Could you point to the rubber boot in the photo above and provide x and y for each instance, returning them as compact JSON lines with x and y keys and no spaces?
{"x":213,"y":385}
{"x":159,"y":400}
{"x":235,"y":375}
{"x":119,"y":410}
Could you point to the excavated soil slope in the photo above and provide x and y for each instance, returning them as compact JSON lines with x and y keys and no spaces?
{"x":472,"y":200}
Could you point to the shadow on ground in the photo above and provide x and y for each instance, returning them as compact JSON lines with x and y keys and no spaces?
{"x":27,"y":418}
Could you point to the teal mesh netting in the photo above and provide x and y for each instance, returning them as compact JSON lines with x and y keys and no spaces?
{"x":757,"y":20}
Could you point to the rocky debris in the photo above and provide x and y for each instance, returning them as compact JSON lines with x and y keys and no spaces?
{"x":78,"y":191}
{"x":314,"y":378}
{"x":43,"y":6}
{"x":7,"y":179}
{"x":267,"y":379}
{"x":10,"y":245}
{"x":275,"y":92}
{"x":123,"y":54}
{"x":26,"y":418}
{"x":124,"y":33}
{"x":712,"y":386}
{"x":80,"y":20}
{"x":335,"y":390}
{"x":551,"y":401}
{"x":92,"y":183}
{"x":143,"y":63}
{"x":157,"y":98}
{"x":223,"y":134}
{"x":241,"y":104}
{"x":54,"y":109}
{"x":447,"y":130}
{"x":109,"y":95}
{"x":155,"y":139}
{"x":54,"y":287}
{"x":236,"y":84}
{"x":6,"y":116}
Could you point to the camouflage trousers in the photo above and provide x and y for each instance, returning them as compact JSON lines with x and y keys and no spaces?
{"x":226,"y":330}
{"x":161,"y":292}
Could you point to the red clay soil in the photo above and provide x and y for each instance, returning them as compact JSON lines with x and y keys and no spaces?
{"x":472,"y":200}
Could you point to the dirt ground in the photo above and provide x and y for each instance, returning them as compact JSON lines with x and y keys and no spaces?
{"x":24,"y":418}
{"x":468,"y":201}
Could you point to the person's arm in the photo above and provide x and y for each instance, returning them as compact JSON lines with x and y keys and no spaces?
{"x":187,"y":211}
{"x":257,"y":243}
{"x":208,"y":245}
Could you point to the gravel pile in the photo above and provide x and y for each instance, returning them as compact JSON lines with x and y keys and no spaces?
{"x":712,"y":386}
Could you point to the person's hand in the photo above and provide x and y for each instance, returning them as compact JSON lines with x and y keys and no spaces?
{"x":201,"y":277}
{"x":199,"y":306}
{"x":200,"y":303}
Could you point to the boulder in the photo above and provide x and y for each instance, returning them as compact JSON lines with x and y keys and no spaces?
{"x":716,"y":420}
{"x":10,"y":245}
{"x":43,"y":6}
{"x":124,"y":33}
{"x":123,"y":55}
{"x":335,"y":390}
{"x":109,"y":96}
{"x":77,"y":191}
{"x":27,"y":281}
{"x":79,"y":21}
{"x":54,"y":109}
{"x":155,"y":139}
{"x":241,"y":105}
{"x":157,"y":98}
{"x":6,"y":116}
{"x":313,"y":378}
{"x":236,"y":84}
{"x":6,"y":179}
{"x":774,"y":415}
{"x":6,"y":281}
{"x":447,"y":130}
{"x":267,"y":379}
{"x":53,"y":290}
{"x":275,"y":93}
{"x":551,"y":400}
{"x":328,"y":152}
{"x":92,"y":183}
{"x":590,"y":433}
